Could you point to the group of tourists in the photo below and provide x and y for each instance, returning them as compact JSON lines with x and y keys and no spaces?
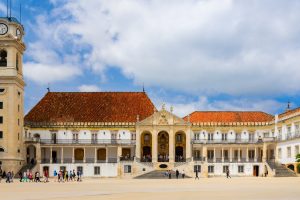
{"x":7,"y":176}
{"x":29,"y":176}
{"x":177,"y":174}
{"x":65,"y":176}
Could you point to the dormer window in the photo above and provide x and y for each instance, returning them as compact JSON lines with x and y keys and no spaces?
{"x":3,"y":58}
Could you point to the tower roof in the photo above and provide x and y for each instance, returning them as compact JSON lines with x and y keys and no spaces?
{"x":11,"y":19}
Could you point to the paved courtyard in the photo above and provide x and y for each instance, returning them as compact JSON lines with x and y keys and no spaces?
{"x":212,"y":188}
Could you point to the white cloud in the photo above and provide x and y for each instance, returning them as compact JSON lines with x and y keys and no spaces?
{"x":3,"y":9}
{"x":88,"y":88}
{"x":207,"y":47}
{"x":48,"y":62}
{"x":44,"y":73}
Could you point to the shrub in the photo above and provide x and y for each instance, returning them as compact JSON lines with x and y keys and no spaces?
{"x":298,"y":158}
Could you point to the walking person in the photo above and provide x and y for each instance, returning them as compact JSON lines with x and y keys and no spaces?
{"x":74,"y":175}
{"x":170,"y":175}
{"x":8,"y":177}
{"x":12,"y":175}
{"x":196,"y":177}
{"x":21,"y":176}
{"x":0,"y":174}
{"x":227,"y":174}
{"x":55,"y":175}
{"x":177,"y":173}
{"x":183,"y":174}
{"x":46,"y":175}
{"x":70,"y":175}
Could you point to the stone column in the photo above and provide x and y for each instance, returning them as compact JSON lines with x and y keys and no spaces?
{"x":239,"y":155}
{"x":38,"y":153}
{"x":171,"y":146}
{"x":119,"y":153}
{"x":265,"y":151}
{"x":95,"y":155}
{"x":138,"y":144}
{"x":188,"y":144}
{"x":62,"y":155}
{"x":204,"y":153}
{"x":106,"y":158}
{"x":215,"y":156}
{"x":154,"y":146}
{"x":50,"y":155}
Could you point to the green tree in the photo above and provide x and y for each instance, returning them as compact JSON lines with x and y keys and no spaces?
{"x":298,"y":158}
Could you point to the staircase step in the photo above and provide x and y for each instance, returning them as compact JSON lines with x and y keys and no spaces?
{"x":158,"y":174}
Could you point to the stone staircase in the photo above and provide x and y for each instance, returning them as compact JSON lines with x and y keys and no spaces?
{"x":24,"y":169}
{"x":159,"y":174}
{"x":281,"y":170}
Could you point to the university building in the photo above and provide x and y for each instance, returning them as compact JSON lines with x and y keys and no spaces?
{"x":122,"y":134}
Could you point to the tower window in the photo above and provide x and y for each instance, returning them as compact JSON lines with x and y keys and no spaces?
{"x":1,"y":105}
{"x":3,"y":58}
{"x":17,"y":62}
{"x":2,"y":90}
{"x":1,"y":134}
{"x":1,"y":150}
{"x":1,"y":120}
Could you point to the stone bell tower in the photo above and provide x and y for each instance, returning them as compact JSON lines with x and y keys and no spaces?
{"x":11,"y":94}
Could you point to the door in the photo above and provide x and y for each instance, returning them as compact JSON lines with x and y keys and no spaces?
{"x":54,"y":157}
{"x":53,"y":138}
{"x":255,"y":170}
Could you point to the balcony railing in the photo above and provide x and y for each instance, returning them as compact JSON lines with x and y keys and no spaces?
{"x":87,"y":160}
{"x":86,"y":141}
{"x":228,"y":141}
{"x":234,"y":160}
{"x":126,"y":158}
{"x":198,"y":158}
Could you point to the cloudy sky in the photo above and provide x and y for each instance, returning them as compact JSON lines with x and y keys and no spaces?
{"x":192,"y":54}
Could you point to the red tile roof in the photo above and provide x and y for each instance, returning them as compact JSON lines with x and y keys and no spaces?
{"x":229,"y":116}
{"x":289,"y":112}
{"x":91,"y":107}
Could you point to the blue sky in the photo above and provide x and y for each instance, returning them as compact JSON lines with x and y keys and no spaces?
{"x":194,"y":55}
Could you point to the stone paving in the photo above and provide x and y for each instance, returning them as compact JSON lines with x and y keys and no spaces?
{"x":187,"y":189}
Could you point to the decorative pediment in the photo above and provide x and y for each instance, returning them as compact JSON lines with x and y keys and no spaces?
{"x":163,"y":117}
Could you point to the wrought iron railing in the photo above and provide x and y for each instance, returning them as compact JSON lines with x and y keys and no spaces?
{"x":126,"y":158}
{"x":233,"y":160}
{"x":228,"y":141}
{"x":87,"y":141}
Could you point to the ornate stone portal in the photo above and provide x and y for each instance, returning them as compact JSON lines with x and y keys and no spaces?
{"x":163,"y":137}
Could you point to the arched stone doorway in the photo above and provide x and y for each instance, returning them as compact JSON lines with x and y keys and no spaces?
{"x":163,"y":147}
{"x":79,"y":155}
{"x":146,"y":147}
{"x":180,"y":147}
{"x":31,"y":154}
{"x":101,"y":155}
{"x":291,"y":167}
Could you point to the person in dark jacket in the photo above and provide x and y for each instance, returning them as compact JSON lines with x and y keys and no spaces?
{"x":196,"y":177}
{"x":177,"y":173}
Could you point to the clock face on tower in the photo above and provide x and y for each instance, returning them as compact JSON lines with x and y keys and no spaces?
{"x":3,"y":29}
